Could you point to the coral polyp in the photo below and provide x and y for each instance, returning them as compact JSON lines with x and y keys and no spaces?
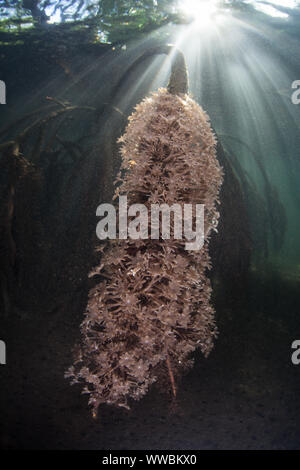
{"x":153,"y":309}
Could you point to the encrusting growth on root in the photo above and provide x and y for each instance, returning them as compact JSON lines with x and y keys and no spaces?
{"x":152,"y":309}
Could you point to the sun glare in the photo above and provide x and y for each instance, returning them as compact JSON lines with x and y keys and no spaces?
{"x":200,"y":11}
{"x":54,"y":18}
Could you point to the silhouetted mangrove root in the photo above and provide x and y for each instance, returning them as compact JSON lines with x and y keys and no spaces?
{"x":273,"y":216}
{"x":18,"y":166}
{"x":41,"y":122}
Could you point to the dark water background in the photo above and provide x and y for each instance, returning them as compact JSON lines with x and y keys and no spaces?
{"x":245,"y":394}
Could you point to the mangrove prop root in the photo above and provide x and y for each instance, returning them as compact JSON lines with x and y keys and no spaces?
{"x":171,"y":375}
{"x":153,"y":308}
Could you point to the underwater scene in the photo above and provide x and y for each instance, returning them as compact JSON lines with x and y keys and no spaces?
{"x":149,"y":226}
